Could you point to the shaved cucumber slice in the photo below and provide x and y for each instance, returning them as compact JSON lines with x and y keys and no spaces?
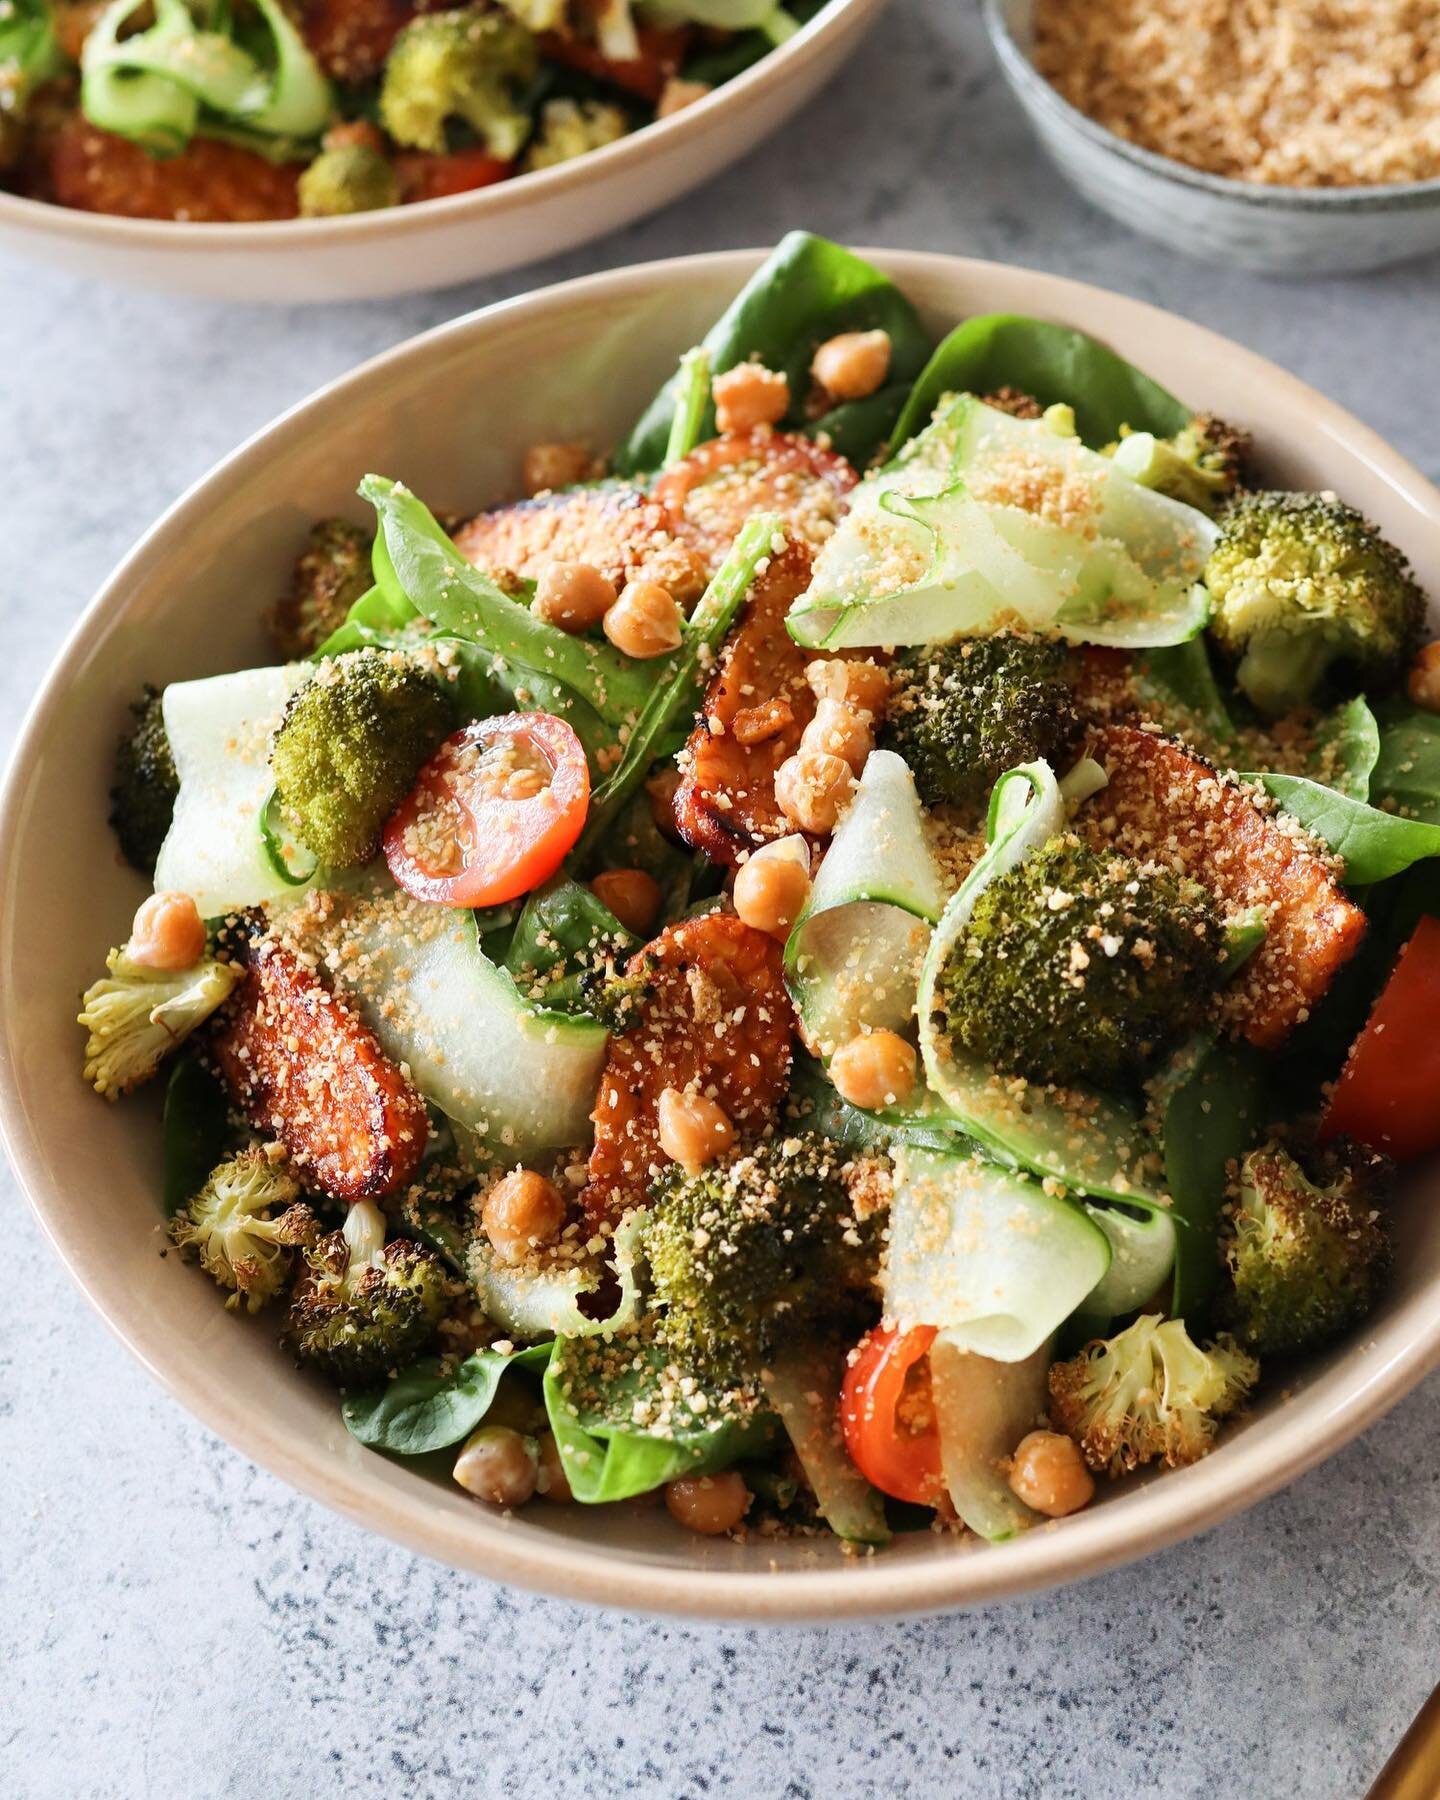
{"x":853,"y":959}
{"x":986,"y":1254}
{"x":983,"y":1409}
{"x":219,"y":732}
{"x":803,"y":1387}
{"x":532,"y":1303}
{"x":1142,"y":1255}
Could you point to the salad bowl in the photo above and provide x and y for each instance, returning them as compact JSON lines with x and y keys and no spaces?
{"x":451,"y":414}
{"x":407,"y":249}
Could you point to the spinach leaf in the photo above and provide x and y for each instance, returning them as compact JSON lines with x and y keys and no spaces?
{"x":1347,"y":748}
{"x":1374,"y":844}
{"x":198,"y":1132}
{"x":1213,"y":1116}
{"x":376,"y":618}
{"x":815,"y":1104}
{"x":1407,"y":771}
{"x":805,"y":292}
{"x":1180,"y":680}
{"x":1051,"y":362}
{"x":423,"y":1409}
{"x":592,"y":1388}
{"x":564,"y":933}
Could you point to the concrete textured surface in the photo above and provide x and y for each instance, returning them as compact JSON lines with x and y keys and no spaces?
{"x":176,"y":1624}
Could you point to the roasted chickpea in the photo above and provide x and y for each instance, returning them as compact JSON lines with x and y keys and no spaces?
{"x":644,"y":621}
{"x":852,"y":365}
{"x":522,"y":1211}
{"x":863,"y":685}
{"x":693,"y":1130}
{"x":874,"y":1070}
{"x":498,"y":1465}
{"x":677,"y":94}
{"x":168,"y":933}
{"x":660,"y":790}
{"x":838,"y":730}
{"x":750,"y":395}
{"x":573,"y":595}
{"x":770,"y":888}
{"x":633,"y":896}
{"x":354,"y":134}
{"x":709,"y":1504}
{"x":552,"y":1483}
{"x":1423,"y":682}
{"x":812,"y":790}
{"x":1048,"y":1473}
{"x":548,"y":466}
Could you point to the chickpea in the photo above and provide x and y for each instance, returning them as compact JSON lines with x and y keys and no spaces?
{"x":1048,"y":1473}
{"x":1423,"y":682}
{"x":552,"y":1483}
{"x":521,"y":1211}
{"x":873,"y":1070}
{"x":498,"y":1465}
{"x":168,"y":933}
{"x":676,"y":95}
{"x":353,"y":134}
{"x":838,"y":730}
{"x":862,"y":685}
{"x":573,"y":595}
{"x":644,"y":621}
{"x":771,"y":888}
{"x":693,"y":1130}
{"x":709,"y":1504}
{"x":660,"y":790}
{"x":812,"y":790}
{"x":548,"y":466}
{"x":750,"y":395}
{"x":852,"y":365}
{"x":633,"y":896}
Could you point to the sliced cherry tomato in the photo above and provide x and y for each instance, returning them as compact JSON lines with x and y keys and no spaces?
{"x":493,"y":813}
{"x":662,"y":50}
{"x":428,"y":177}
{"x":1388,"y":1094}
{"x":887,"y":1418}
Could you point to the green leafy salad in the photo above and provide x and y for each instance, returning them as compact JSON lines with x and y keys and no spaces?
{"x":860,"y":962}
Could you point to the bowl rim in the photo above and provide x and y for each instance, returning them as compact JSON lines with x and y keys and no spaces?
{"x":1401,"y":1350}
{"x":1031,"y":85}
{"x":479,"y":207}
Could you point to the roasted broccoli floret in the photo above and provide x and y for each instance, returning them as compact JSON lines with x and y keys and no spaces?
{"x":1202,"y":464}
{"x":470,"y":65}
{"x":1307,"y":1259}
{"x":142,"y":800}
{"x":1308,"y":594}
{"x":1078,"y":966}
{"x":137,"y":1015}
{"x":570,"y":128}
{"x":361,"y":1307}
{"x":961,"y":714}
{"x":243,"y":1224}
{"x":750,"y":1248}
{"x":1148,"y":1394}
{"x":349,"y":745}
{"x":331,"y":574}
{"x":348,"y":178}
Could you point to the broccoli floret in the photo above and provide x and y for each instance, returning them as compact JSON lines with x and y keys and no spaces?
{"x":331,"y":574}
{"x":349,"y":178}
{"x":1078,"y":966}
{"x":362,"y":1307}
{"x":1307,"y":593}
{"x":471,"y":65}
{"x":1201,"y":465}
{"x":243,"y":1224}
{"x":1148,"y":1393}
{"x":142,"y":800}
{"x":570,"y":128}
{"x":538,"y":15}
{"x":349,"y":745}
{"x":136,"y":1016}
{"x":753,"y":1247}
{"x":961,"y":714}
{"x":1307,"y":1260}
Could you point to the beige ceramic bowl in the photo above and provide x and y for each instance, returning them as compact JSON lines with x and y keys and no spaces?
{"x":408,"y":249}
{"x":450,"y":414}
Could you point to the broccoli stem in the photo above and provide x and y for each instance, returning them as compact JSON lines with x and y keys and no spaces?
{"x":1280,"y":669}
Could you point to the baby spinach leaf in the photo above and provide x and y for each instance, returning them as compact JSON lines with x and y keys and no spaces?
{"x":563,"y":934}
{"x":1053,"y":363}
{"x":1347,"y":748}
{"x":1180,"y":680}
{"x":805,"y":292}
{"x":1374,"y":844}
{"x":1211,"y":1117}
{"x":1407,"y":771}
{"x":425,"y":1409}
{"x":198,"y":1132}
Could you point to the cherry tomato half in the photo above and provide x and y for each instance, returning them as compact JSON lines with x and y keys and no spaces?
{"x":1388,"y":1094}
{"x":887,"y":1418}
{"x":492,"y":814}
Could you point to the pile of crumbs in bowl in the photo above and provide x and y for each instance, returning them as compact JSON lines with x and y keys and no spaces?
{"x":1301,"y":93}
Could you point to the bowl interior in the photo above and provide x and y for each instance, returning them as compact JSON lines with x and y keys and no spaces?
{"x":450,"y":414}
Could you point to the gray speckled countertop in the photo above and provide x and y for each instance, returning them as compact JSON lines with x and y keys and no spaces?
{"x":176,"y":1624}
